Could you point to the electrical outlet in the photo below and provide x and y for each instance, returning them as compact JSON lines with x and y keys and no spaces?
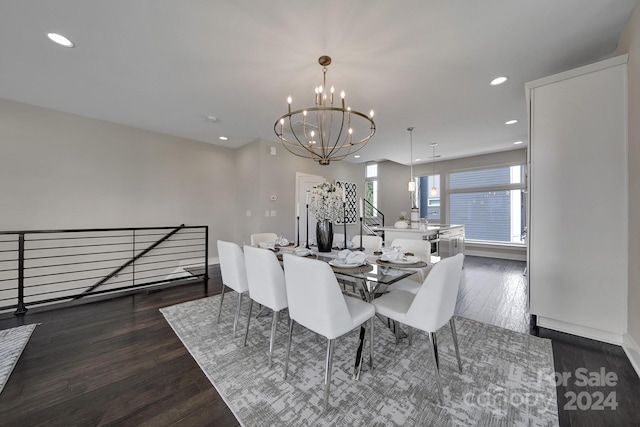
{"x":266,"y":213}
{"x":273,"y":213}
{"x":248,"y":213}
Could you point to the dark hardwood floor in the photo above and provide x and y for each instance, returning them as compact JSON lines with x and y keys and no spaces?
{"x":117,"y":362}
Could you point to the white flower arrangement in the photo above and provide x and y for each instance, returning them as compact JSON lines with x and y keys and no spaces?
{"x":326,"y":201}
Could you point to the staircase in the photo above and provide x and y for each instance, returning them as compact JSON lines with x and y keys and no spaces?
{"x":373,"y":220}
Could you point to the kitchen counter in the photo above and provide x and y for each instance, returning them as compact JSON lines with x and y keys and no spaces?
{"x":446,"y":239}
{"x":430,"y":228}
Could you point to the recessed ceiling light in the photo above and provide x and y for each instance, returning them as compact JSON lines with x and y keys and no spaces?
{"x":223,"y":138}
{"x":212,"y":119}
{"x":60,"y":39}
{"x":518,"y":142}
{"x":511,"y":122}
{"x":357,"y":156}
{"x":499,"y":80}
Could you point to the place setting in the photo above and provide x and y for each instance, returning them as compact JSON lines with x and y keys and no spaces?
{"x":297,"y":251}
{"x":351,"y":261}
{"x":398,"y":258}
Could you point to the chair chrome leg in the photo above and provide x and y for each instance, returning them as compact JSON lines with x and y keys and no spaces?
{"x":221,"y":299}
{"x":235,"y":320}
{"x":274,"y":326}
{"x":396,"y":331}
{"x":434,"y":343}
{"x":455,"y":342}
{"x":286,"y":360}
{"x":371,"y":342}
{"x":327,"y":373}
{"x":246,"y":333}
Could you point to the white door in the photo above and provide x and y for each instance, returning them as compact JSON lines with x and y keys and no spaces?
{"x":306,"y":182}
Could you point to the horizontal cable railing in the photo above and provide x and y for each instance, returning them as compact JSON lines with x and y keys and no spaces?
{"x":46,"y":266}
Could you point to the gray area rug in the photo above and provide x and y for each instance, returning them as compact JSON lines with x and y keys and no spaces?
{"x":12,"y":342}
{"x":507,"y":377}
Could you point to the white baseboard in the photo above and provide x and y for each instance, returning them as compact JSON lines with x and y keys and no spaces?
{"x":633,"y":351}
{"x":581,"y":331}
{"x":488,"y":253}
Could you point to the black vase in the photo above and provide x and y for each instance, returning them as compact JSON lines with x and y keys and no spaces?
{"x":324,"y":235}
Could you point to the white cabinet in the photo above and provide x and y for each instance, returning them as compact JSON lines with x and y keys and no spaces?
{"x":578,"y":200}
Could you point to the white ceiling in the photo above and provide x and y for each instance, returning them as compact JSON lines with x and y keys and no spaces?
{"x":167,"y":65}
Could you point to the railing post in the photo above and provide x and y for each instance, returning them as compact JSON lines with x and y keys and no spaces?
{"x":20,"y":308}
{"x":206,"y":259}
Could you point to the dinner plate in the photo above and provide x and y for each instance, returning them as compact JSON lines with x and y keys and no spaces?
{"x":341,"y":264}
{"x":410,"y":260}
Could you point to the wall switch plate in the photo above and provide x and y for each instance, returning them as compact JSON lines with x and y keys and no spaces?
{"x":266,"y":213}
{"x":248,"y":213}
{"x":273,"y":213}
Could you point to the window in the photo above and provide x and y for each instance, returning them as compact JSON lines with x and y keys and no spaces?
{"x":372,"y":170}
{"x":371,"y":189}
{"x":489,"y":202}
{"x":428,"y":200}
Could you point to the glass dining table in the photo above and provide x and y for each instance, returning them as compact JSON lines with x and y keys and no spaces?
{"x":368,"y":279}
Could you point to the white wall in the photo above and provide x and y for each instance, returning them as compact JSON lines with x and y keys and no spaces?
{"x":261,"y":175}
{"x":59,"y":170}
{"x":630,"y":43}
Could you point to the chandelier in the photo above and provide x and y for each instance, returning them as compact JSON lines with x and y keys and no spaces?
{"x":325,"y":131}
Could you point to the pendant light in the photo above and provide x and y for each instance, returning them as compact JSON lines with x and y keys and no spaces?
{"x":434,"y":190}
{"x":412,"y":182}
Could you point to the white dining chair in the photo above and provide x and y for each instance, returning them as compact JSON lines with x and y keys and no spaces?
{"x":373,"y":243}
{"x":266,"y":286}
{"x":315,"y":302}
{"x":338,"y":240}
{"x":419,"y":248}
{"x":258,"y":238}
{"x":234,"y":275}
{"x":430,"y":308}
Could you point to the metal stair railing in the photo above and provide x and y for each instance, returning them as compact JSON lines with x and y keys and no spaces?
{"x":373,"y":219}
{"x":40,"y":267}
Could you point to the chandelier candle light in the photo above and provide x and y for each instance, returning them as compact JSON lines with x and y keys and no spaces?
{"x":325,"y":131}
